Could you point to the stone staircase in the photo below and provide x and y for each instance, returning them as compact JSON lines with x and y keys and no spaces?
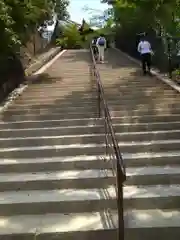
{"x":54,"y":183}
{"x":146,"y":118}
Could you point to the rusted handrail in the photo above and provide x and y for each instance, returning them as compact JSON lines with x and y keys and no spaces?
{"x":117,"y":162}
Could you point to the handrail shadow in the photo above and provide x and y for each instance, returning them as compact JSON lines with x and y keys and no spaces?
{"x":112,"y":148}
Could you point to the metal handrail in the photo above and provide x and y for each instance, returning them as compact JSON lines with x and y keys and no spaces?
{"x":120,"y":168}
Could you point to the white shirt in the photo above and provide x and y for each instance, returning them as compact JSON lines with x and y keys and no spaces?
{"x":144,"y":47}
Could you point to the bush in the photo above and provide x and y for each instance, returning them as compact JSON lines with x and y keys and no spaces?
{"x":71,"y":38}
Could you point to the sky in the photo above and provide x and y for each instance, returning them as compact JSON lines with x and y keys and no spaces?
{"x":76,"y":9}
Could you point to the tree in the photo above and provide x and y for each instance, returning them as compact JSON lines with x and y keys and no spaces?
{"x":18,"y":19}
{"x":70,"y":37}
{"x":61,"y":9}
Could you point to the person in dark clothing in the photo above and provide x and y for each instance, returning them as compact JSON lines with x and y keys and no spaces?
{"x":94,"y":47}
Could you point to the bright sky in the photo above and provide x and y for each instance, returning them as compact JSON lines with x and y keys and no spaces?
{"x":76,"y":9}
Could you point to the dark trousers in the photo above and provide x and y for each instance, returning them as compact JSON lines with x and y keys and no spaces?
{"x":146,"y":62}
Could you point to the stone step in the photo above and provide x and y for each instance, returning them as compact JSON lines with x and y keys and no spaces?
{"x":46,"y":116}
{"x":153,"y":175}
{"x":86,"y":138}
{"x":84,"y":162}
{"x":50,"y":131}
{"x":148,"y":119}
{"x":69,"y":102}
{"x":63,"y":110}
{"x":54,"y":110}
{"x":144,"y":111}
{"x":76,"y":122}
{"x":152,"y":223}
{"x":57,"y":201}
{"x":88,"y":200}
{"x":87,"y":149}
{"x":79,"y":101}
{"x":72,"y":226}
{"x":74,"y":179}
{"x":121,"y":121}
{"x":152,"y":159}
{"x":152,"y":196}
{"x":12,"y":131}
{"x":44,"y":180}
{"x":69,"y":105}
{"x":57,"y":97}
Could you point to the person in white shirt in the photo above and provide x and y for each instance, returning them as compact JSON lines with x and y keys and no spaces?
{"x":101,"y":45}
{"x":144,"y":48}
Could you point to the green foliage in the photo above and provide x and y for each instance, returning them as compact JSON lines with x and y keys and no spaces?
{"x":70,"y":38}
{"x":155,"y":14}
{"x":19,"y":18}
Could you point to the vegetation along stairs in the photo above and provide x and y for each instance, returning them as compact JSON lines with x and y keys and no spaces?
{"x":146,"y":119}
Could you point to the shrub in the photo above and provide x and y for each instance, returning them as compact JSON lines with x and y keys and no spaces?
{"x":70,"y":38}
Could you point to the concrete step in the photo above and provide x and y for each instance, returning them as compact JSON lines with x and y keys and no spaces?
{"x":50,"y":131}
{"x":76,"y":122}
{"x":145,"y":111}
{"x":57,"y":109}
{"x":152,"y":159}
{"x":153,"y":175}
{"x":83,"y":162}
{"x":57,"y":201}
{"x":57,"y":97}
{"x":16,"y":130}
{"x":152,"y":196}
{"x":87,"y":149}
{"x":74,"y":179}
{"x":82,"y":200}
{"x":54,"y":110}
{"x":70,"y":106}
{"x":87,"y":138}
{"x":46,"y":116}
{"x":73,"y":226}
{"x":148,"y":119}
{"x":70,"y":101}
{"x":155,"y":223}
{"x":122,"y":121}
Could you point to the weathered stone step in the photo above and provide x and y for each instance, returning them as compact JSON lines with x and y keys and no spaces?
{"x":88,"y":149}
{"x":145,"y":111}
{"x":53,"y":110}
{"x":148,"y":119}
{"x":153,"y":175}
{"x":36,"y":105}
{"x":152,"y":196}
{"x":76,"y":179}
{"x":82,"y":226}
{"x":79,"y":200}
{"x":140,"y":159}
{"x":86,"y":138}
{"x":12,"y":131}
{"x":46,"y":116}
{"x":48,"y":123}
{"x":57,"y":201}
{"x":61,"y":109}
{"x":155,"y":223}
{"x":50,"y":131}
{"x":84,"y":162}
{"x":57,"y":97}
